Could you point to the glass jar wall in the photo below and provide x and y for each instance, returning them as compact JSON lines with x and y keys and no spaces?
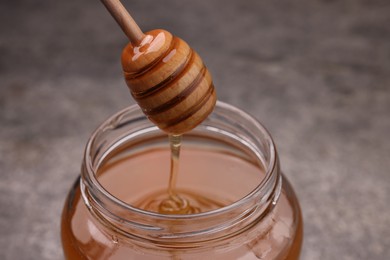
{"x":229,"y":170}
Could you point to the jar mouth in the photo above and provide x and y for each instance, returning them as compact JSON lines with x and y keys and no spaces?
{"x":253,"y":134}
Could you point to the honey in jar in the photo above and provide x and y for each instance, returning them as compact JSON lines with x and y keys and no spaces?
{"x":235,"y":202}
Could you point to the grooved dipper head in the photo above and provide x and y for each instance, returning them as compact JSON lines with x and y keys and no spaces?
{"x":169,"y":81}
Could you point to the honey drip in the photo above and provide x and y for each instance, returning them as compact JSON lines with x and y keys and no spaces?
{"x":174,"y":200}
{"x":175,"y":204}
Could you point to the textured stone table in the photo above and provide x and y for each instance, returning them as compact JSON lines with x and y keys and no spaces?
{"x":316,"y":73}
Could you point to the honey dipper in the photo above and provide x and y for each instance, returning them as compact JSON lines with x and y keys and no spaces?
{"x":165,"y":76}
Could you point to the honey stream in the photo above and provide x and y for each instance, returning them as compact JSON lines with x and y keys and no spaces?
{"x":172,"y":202}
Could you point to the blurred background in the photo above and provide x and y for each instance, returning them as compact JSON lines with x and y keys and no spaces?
{"x":316,"y":73}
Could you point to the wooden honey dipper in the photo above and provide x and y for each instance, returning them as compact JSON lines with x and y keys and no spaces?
{"x":165,"y":76}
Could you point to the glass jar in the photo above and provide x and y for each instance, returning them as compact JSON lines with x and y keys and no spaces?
{"x":230,"y":157}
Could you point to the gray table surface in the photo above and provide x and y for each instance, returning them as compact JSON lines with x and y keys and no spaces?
{"x":316,"y":73}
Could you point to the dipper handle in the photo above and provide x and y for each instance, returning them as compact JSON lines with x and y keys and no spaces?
{"x":124,"y":20}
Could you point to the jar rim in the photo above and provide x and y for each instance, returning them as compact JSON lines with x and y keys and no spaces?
{"x":226,"y":121}
{"x":90,"y":173}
